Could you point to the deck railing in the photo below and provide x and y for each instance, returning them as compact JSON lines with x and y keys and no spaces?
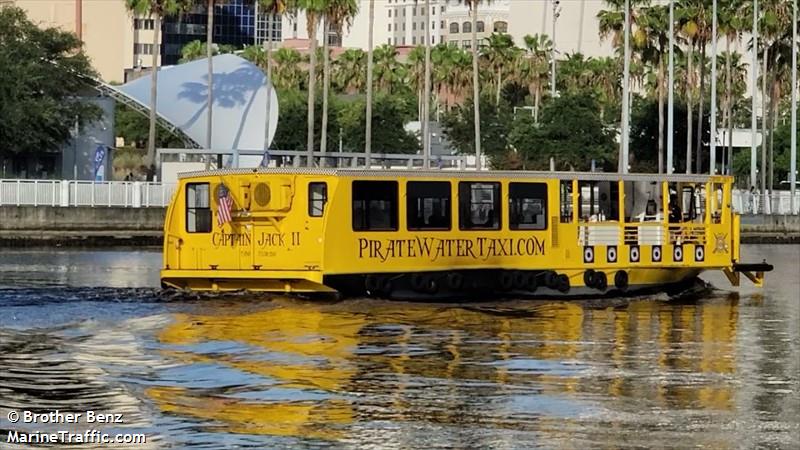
{"x":66,"y":193}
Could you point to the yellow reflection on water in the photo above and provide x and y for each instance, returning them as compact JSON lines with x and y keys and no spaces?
{"x":570,"y":351}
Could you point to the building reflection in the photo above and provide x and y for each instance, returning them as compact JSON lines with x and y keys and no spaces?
{"x":525,"y":366}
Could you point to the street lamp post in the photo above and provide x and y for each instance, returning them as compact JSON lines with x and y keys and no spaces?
{"x":556,"y":13}
{"x":671,"y":100}
{"x":753,"y":84}
{"x":623,"y":154}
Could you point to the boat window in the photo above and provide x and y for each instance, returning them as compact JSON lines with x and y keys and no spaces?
{"x":598,"y":200}
{"x":428,"y":205}
{"x":566,"y":201}
{"x":479,"y":206}
{"x":375,"y":205}
{"x":527,"y":206}
{"x":317,"y":198}
{"x":198,"y":210}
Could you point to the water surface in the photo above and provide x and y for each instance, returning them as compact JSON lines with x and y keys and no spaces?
{"x":89,"y":330}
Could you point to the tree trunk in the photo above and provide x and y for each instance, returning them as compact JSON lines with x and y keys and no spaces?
{"x":210,"y":56}
{"x":151,"y":137}
{"x":690,"y":80}
{"x":499,"y":84}
{"x":773,"y":124}
{"x":700,"y":107}
{"x":268,"y":45}
{"x":764,"y":121}
{"x":326,"y":81}
{"x":536,"y":102}
{"x":312,"y":74}
{"x":728,"y":168}
{"x":368,"y":131}
{"x":426,"y":103}
{"x":476,"y":85}
{"x":661,"y":114}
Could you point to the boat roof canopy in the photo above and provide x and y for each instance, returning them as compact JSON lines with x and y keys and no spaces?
{"x":420,"y":173}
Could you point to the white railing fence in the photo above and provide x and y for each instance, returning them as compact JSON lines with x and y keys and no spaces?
{"x":778,"y":202}
{"x":66,"y":193}
{"x":138,"y":194}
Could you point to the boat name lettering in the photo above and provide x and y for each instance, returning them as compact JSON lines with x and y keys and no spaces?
{"x":265,"y":240}
{"x":480,"y":248}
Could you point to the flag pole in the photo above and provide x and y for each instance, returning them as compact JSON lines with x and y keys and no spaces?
{"x":671,"y":99}
{"x":712,"y":168}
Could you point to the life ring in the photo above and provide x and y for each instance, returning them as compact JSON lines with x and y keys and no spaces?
{"x":455,"y":281}
{"x":431,"y":285}
{"x":588,"y":255}
{"x":600,"y":281}
{"x":373,"y":283}
{"x":551,"y":279}
{"x":506,"y":280}
{"x":588,"y":278}
{"x":417,"y":282}
{"x":520,"y":279}
{"x":611,"y":253}
{"x":699,"y":253}
{"x":657,"y":253}
{"x":532,"y":283}
{"x":621,"y":280}
{"x":634,"y":254}
{"x":563,"y":283}
{"x":677,"y":253}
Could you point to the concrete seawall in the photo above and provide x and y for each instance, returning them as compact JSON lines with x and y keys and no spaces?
{"x":104,"y":226}
{"x":80,"y":226}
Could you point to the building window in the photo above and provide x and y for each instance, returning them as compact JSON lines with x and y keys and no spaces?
{"x":501,"y":27}
{"x":375,"y":206}
{"x":441,"y":25}
{"x":390,"y":27}
{"x":198,"y":209}
{"x":428,"y":205}
{"x":527,"y":206}
{"x":454,"y":28}
{"x":413,"y":25}
{"x":454,"y":43}
{"x":466,"y":44}
{"x":414,"y":11}
{"x":466,"y":27}
{"x":433,"y":10}
{"x":433,"y":25}
{"x":317,"y":199}
{"x":404,"y":41}
{"x":413,"y":40}
{"x":479,"y":206}
{"x":390,"y":13}
{"x":480,"y":27}
{"x":144,"y":24}
{"x":441,"y":39}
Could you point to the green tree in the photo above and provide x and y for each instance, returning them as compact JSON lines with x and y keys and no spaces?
{"x":499,"y":52}
{"x":337,"y":14}
{"x":44,"y":72}
{"x":288,"y":73}
{"x":570,"y":132}
{"x":495,"y":125}
{"x":533,"y":69}
{"x":350,"y":73}
{"x":391,"y":113}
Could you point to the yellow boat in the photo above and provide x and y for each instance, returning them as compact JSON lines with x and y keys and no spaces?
{"x":444,"y":234}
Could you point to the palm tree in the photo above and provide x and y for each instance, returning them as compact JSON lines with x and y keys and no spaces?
{"x":368,"y":130}
{"x":288,"y":73}
{"x":689,"y":30}
{"x":157,"y":9}
{"x":336,"y":15}
{"x":426,"y":94}
{"x":476,"y":87}
{"x":538,"y":47}
{"x":389,"y":72}
{"x":730,"y":23}
{"x":272,"y":9}
{"x":499,"y":51}
{"x":314,"y":9}
{"x":350,"y":70}
{"x":193,"y":51}
{"x":654,"y":23}
{"x":416,"y":78}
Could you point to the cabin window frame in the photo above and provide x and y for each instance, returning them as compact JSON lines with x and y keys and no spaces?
{"x":193,"y":209}
{"x":312,"y":201}
{"x":412,"y":209}
{"x":394,"y":206}
{"x":515,"y":211}
{"x":566,"y":206}
{"x":466,"y":204}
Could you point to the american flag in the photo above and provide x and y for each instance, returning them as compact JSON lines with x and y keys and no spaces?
{"x":224,"y":205}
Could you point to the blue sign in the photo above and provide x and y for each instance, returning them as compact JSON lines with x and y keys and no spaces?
{"x":99,"y":163}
